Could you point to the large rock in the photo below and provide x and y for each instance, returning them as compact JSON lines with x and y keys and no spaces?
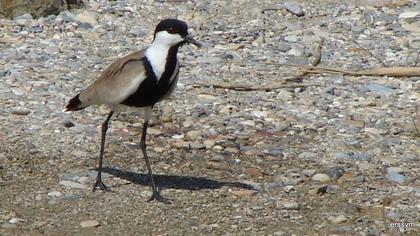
{"x":38,"y":8}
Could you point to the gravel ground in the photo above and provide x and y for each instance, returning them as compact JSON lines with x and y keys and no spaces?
{"x":337,"y":155}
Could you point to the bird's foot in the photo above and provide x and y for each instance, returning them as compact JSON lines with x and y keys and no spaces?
{"x":100,"y":185}
{"x":156,"y":196}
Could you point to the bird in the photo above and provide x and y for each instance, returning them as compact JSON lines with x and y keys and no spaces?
{"x":140,"y":80}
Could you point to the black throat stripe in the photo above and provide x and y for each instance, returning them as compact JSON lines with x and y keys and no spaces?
{"x":151,"y":90}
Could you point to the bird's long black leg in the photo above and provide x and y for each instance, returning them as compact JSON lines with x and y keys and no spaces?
{"x":99,"y":184}
{"x":155,"y":196}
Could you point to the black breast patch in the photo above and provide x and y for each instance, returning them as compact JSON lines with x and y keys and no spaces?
{"x":151,"y":90}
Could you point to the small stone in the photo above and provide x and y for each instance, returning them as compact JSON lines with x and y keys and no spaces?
{"x":308,"y":156}
{"x":295,"y":52}
{"x":289,"y":205}
{"x":248,"y":123}
{"x":355,"y":123}
{"x":196,"y":145}
{"x":71,"y":184}
{"x":244,"y":193}
{"x":372,"y":232}
{"x":392,"y":215}
{"x":70,"y":197}
{"x":337,"y":219}
{"x":188,"y":123}
{"x":254,"y":172}
{"x":288,"y":188}
{"x":320,"y":177}
{"x":344,"y":229}
{"x":193,"y":135}
{"x":231,"y":150}
{"x":209,"y":143}
{"x":379,"y":88}
{"x":335,"y":172}
{"x":22,"y":111}
{"x":396,"y":174}
{"x":93,"y":174}
{"x":138,"y":32}
{"x":284,"y":95}
{"x":8,"y":226}
{"x":85,"y":26}
{"x":361,"y":157}
{"x":294,"y":8}
{"x":284,"y":47}
{"x":291,"y":38}
{"x":86,"y":17}
{"x":54,"y":194}
{"x":89,"y":223}
{"x":409,"y":14}
{"x":321,"y":190}
{"x":279,"y":233}
{"x":308,"y":172}
{"x":68,"y":123}
{"x":15,"y":220}
{"x":154,"y":131}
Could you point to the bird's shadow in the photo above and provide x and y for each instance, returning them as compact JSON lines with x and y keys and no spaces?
{"x":175,"y":181}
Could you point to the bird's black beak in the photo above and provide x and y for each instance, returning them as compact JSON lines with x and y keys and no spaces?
{"x":190,"y":39}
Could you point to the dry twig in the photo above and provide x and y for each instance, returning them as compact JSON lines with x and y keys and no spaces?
{"x":286,"y":83}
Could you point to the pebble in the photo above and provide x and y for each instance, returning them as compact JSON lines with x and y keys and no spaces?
{"x":193,"y":135}
{"x":320,"y":177}
{"x":341,"y":156}
{"x":396,"y":174}
{"x":337,"y":219}
{"x":20,"y":111}
{"x":93,"y":174}
{"x":86,"y":17}
{"x":335,"y":172}
{"x":379,"y":88}
{"x":8,"y":226}
{"x":308,"y":156}
{"x":283,"y":47}
{"x":15,"y":220}
{"x":361,"y":157}
{"x":196,"y":145}
{"x":71,"y":184}
{"x":294,"y":8}
{"x":288,"y":188}
{"x":291,"y":38}
{"x":209,"y":143}
{"x":244,"y":193}
{"x":89,"y":223}
{"x":54,"y":194}
{"x":343,"y":229}
{"x":392,"y":215}
{"x":409,"y":14}
{"x":289,"y":205}
{"x":138,"y":32}
{"x":85,"y":26}
{"x":279,"y":233}
{"x":254,"y":172}
{"x":308,"y":172}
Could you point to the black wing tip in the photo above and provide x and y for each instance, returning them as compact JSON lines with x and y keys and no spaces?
{"x":74,"y":104}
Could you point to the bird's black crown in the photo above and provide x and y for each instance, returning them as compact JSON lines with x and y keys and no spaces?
{"x":172,"y":26}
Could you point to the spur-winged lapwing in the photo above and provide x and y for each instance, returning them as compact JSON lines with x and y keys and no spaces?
{"x":140,"y":79}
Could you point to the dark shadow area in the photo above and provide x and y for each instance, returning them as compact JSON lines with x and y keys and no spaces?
{"x":174,"y":181}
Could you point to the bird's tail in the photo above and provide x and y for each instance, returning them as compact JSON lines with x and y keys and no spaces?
{"x":75,"y":104}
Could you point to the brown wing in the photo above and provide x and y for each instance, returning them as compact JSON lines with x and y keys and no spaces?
{"x":117,"y":82}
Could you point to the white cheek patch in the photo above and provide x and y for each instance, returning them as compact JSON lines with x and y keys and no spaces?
{"x":158,"y":51}
{"x":165,"y":38}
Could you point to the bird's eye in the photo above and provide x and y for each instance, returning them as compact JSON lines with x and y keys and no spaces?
{"x":171,"y":30}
